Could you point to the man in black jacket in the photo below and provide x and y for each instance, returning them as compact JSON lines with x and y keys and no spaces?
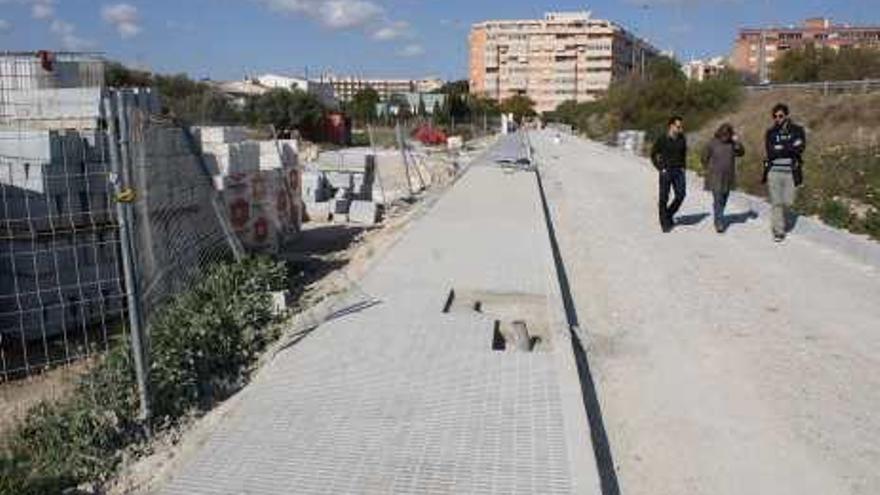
{"x":785,"y":143}
{"x":669,"y":156}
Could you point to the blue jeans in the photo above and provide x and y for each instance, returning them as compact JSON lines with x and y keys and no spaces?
{"x":718,"y":205}
{"x":671,"y":178}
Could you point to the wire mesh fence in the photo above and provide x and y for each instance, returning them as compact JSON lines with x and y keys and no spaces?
{"x":108,"y":210}
{"x":61,"y":286}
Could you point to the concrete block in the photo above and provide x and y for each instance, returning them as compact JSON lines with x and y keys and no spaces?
{"x":319,"y":212}
{"x":341,"y":206}
{"x":314,"y":187}
{"x":339,"y":180}
{"x":220,"y":134}
{"x":363,"y":212}
{"x":277,"y":155}
{"x":279,"y":302}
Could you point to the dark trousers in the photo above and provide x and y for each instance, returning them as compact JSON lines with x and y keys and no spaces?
{"x":671,"y":178}
{"x":718,"y":204}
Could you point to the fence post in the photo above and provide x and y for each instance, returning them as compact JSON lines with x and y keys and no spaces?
{"x":118,"y":136}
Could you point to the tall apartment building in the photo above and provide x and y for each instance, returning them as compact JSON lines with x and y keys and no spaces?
{"x":755,"y":49}
{"x":565,"y":56}
{"x":346,"y":87}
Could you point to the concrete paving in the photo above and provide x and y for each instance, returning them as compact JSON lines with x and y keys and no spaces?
{"x":401,"y":397}
{"x":725,"y":364}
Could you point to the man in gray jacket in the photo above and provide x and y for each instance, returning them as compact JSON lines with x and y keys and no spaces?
{"x":785,"y":143}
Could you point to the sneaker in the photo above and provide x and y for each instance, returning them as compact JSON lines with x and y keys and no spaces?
{"x":719,"y":228}
{"x":778,"y":237}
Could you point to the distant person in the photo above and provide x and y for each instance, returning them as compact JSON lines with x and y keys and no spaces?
{"x":669,"y":155}
{"x":719,"y":162}
{"x":785,"y":143}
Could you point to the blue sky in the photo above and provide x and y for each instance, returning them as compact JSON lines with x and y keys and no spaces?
{"x":225,"y":39}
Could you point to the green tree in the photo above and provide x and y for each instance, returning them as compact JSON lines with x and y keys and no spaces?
{"x":288,"y":110}
{"x":363,"y":105}
{"x":117,"y":75}
{"x":520,"y":106}
{"x":423,"y":111}
{"x":801,"y":65}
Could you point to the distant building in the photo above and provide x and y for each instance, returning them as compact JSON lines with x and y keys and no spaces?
{"x":240,"y":91}
{"x":410,"y":101}
{"x":322,"y":90}
{"x":565,"y":56}
{"x":755,"y":49}
{"x":700,"y":70}
{"x":346,"y":87}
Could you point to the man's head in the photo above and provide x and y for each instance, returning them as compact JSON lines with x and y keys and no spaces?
{"x":675,"y":126}
{"x":780,"y":113}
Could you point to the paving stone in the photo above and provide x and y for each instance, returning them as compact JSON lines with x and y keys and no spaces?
{"x":403,"y":398}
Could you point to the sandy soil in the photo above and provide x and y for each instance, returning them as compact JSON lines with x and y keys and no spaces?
{"x":725,"y":364}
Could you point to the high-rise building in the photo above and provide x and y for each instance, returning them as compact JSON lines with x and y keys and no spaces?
{"x":755,"y":49}
{"x":565,"y":56}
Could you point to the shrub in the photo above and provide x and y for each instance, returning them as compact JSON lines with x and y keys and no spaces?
{"x":202,"y":346}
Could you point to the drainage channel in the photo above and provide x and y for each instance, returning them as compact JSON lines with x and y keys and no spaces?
{"x":601,"y":446}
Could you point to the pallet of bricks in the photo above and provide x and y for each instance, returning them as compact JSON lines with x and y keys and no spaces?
{"x":260,"y":182}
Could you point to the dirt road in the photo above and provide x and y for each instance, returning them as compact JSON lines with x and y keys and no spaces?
{"x":725,"y":364}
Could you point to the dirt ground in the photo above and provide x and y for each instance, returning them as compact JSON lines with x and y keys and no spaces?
{"x":17,"y":397}
{"x":724,"y":364}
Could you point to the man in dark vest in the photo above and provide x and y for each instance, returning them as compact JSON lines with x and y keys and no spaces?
{"x":785,"y":143}
{"x":669,"y":156}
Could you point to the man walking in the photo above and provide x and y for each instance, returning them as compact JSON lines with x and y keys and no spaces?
{"x":785,"y":143}
{"x":669,"y":155}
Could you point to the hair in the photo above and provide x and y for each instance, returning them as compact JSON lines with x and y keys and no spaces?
{"x":725,"y":131}
{"x":674,"y":119}
{"x":780,"y":107}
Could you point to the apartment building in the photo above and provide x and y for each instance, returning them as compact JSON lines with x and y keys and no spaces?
{"x":346,"y":87}
{"x":564,"y":56}
{"x":755,"y":49}
{"x":700,"y":70}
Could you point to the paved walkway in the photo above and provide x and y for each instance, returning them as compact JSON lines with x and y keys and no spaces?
{"x":725,"y":364}
{"x":404,"y":398}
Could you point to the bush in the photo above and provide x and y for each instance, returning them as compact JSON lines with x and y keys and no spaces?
{"x":835,"y":213}
{"x":646,"y":104}
{"x":202,"y":346}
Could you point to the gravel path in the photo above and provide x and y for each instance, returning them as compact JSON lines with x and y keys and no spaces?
{"x":725,"y":364}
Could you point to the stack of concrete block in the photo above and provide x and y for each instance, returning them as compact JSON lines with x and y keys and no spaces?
{"x":314,"y":187}
{"x":277,"y":154}
{"x":220,"y":135}
{"x":363,"y":212}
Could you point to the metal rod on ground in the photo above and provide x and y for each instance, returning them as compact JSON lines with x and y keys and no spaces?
{"x":115,"y":110}
{"x":378,"y":172}
{"x":398,"y":130}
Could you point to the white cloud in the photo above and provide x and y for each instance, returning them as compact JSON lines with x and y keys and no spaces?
{"x":5,"y":26}
{"x":43,"y":9}
{"x":67,"y":32}
{"x":412,"y":50}
{"x":391,"y":31}
{"x":124,"y":17}
{"x":334,"y":14}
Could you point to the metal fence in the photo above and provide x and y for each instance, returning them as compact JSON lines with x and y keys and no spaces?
{"x":823,"y":87}
{"x":106,"y":210}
